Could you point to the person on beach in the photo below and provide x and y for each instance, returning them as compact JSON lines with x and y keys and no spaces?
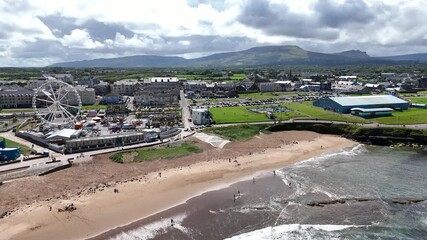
{"x":321,"y":146}
{"x":172,"y":223}
{"x":238,"y":193}
{"x":253,"y":180}
{"x":160,"y":174}
{"x":274,"y":172}
{"x":290,"y":184}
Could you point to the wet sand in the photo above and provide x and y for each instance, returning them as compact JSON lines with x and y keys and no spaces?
{"x":151,"y":193}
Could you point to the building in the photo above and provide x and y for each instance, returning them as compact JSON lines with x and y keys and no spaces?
{"x":125,"y":87}
{"x":68,"y":78}
{"x":157,"y":92}
{"x":15,"y":97}
{"x":372,"y":112}
{"x":102,"y":88}
{"x":345,"y":104}
{"x":422,"y":82}
{"x":111,"y":99}
{"x":87,"y":95}
{"x":201,"y":116}
{"x":88,"y":81}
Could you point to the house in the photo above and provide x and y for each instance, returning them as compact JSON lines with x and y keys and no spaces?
{"x":201,"y":116}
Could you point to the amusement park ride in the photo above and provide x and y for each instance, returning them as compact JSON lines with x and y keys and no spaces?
{"x":57,"y":103}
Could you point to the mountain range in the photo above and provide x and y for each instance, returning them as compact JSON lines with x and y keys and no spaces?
{"x":254,"y":57}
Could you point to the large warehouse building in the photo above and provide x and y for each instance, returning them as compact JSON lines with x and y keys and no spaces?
{"x":345,"y":104}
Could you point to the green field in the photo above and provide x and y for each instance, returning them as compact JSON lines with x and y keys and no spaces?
{"x":422,"y":100}
{"x":236,"y":115}
{"x":303,"y":110}
{"x":94,"y":107}
{"x":308,"y":111}
{"x":411,"y":116}
{"x":238,"y":132}
{"x":140,"y":155}
{"x":24,"y":149}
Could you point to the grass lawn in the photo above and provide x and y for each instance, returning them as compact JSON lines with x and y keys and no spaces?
{"x":237,"y":115}
{"x":238,"y":132}
{"x":236,"y":77}
{"x":94,"y":107}
{"x":411,"y":116}
{"x":308,"y":111}
{"x":303,"y":110}
{"x":158,"y":153}
{"x":24,"y":149}
{"x":422,"y":100}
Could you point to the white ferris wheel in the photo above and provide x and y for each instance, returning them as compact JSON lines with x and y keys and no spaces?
{"x":57,"y":102}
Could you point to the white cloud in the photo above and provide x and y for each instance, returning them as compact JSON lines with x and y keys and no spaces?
{"x":391,"y":26}
{"x":80,"y":38}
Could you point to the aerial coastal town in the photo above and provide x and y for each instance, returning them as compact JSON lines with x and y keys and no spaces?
{"x":64,"y":119}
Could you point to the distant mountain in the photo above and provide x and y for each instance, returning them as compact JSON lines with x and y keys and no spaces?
{"x":125,"y":62}
{"x":354,"y":54}
{"x":254,"y":57}
{"x":418,"y":57}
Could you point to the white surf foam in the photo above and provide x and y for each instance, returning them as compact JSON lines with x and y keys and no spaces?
{"x":153,"y":229}
{"x":293,"y":231}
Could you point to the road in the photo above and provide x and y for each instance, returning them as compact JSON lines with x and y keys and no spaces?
{"x":185,"y":111}
{"x":413,"y":126}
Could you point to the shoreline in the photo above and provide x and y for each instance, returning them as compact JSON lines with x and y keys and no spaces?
{"x":104,"y":211}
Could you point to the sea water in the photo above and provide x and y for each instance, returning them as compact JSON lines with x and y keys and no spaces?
{"x":362,"y":193}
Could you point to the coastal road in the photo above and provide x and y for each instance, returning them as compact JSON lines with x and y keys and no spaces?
{"x":412,"y":126}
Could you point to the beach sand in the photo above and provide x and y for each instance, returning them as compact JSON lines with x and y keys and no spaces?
{"x":148,"y":193}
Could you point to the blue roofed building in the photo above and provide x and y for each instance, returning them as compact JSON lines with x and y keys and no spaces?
{"x":346,"y":104}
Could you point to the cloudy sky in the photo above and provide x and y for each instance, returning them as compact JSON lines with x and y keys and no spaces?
{"x":42,"y":32}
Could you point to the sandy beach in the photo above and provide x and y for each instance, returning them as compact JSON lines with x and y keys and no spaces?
{"x":143,"y":191}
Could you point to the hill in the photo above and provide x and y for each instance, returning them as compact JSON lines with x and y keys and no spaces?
{"x":418,"y":57}
{"x":254,"y":57}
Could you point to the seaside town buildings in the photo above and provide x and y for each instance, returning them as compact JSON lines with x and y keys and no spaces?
{"x":15,"y":97}
{"x":157,"y":92}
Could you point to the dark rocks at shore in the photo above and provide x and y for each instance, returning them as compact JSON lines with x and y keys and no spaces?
{"x":342,"y":201}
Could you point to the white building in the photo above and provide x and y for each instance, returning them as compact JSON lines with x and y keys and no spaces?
{"x":200,"y":116}
{"x":87,"y":95}
{"x":124,"y":87}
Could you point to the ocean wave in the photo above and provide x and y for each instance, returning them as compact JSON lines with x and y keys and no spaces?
{"x":153,"y":229}
{"x":356,"y":150}
{"x":295,"y":231}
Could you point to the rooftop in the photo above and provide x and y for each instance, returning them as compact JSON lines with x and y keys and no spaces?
{"x":367,"y":100}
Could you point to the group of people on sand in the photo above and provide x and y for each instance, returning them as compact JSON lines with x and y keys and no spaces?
{"x":116,"y":190}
